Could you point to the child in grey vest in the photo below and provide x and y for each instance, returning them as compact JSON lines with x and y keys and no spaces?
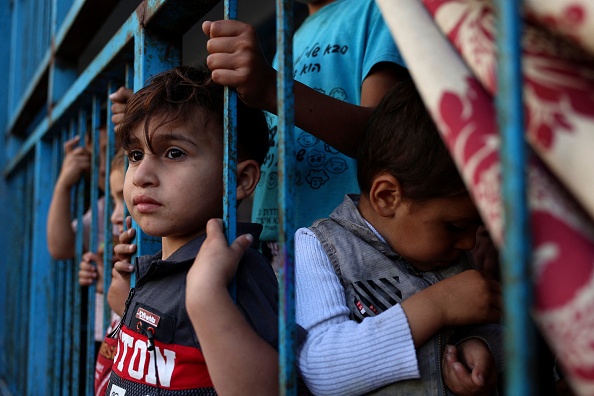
{"x":383,"y":286}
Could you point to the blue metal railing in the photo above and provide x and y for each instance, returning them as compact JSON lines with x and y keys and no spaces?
{"x":47,"y":102}
{"x":519,"y":328}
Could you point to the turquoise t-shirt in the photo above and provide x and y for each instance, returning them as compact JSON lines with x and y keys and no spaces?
{"x":333,"y":50}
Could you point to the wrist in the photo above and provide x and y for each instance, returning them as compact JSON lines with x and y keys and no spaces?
{"x":63,"y":186}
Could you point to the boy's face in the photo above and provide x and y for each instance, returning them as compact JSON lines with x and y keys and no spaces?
{"x":174,"y":191}
{"x":433,"y":233}
{"x":116,"y":190}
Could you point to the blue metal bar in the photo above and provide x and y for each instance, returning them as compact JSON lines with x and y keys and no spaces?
{"x":79,"y":250}
{"x":93,"y":244}
{"x":286,"y":165}
{"x":41,"y":303}
{"x":129,"y":83}
{"x":230,"y":151}
{"x":519,"y":334}
{"x":107,"y":225}
{"x":24,"y":277}
{"x":60,"y":284}
{"x":230,"y":155}
{"x":69,"y":319}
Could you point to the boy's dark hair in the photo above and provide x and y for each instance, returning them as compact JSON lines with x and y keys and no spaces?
{"x":401,"y":139}
{"x":175,"y":94}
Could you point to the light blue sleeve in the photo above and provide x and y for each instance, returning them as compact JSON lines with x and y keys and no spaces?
{"x":380,"y":46}
{"x":340,"y":356}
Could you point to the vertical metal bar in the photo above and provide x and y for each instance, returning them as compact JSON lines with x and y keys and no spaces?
{"x":59,"y":275}
{"x":25,"y":285}
{"x":230,"y":151}
{"x":41,"y":304}
{"x":129,"y":83}
{"x":77,"y":308}
{"x":286,"y":125}
{"x":93,"y":244}
{"x":107,"y":226}
{"x":519,"y":337}
{"x":69,"y":291}
{"x":16,"y":48}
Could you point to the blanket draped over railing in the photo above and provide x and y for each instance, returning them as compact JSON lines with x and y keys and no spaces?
{"x":449,"y":47}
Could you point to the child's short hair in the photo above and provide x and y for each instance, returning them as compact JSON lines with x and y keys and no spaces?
{"x":175,"y":95}
{"x":402,"y":139}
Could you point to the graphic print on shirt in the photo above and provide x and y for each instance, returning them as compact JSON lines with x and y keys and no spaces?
{"x":374,"y":296}
{"x":316,"y":160}
{"x":173,"y":366}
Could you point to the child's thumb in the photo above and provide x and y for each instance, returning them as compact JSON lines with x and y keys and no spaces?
{"x":242,"y":243}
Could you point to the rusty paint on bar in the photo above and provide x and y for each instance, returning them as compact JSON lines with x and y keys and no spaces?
{"x":286,"y":125}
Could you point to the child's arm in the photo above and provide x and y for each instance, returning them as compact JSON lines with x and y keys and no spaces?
{"x":120,"y":281}
{"x":60,"y":236}
{"x":469,"y":369}
{"x":229,"y":344}
{"x":381,"y":349}
{"x":465,"y":298}
{"x":339,"y":355}
{"x":236,"y":60}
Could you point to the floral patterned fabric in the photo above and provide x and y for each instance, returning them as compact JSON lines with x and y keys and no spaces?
{"x":450,"y":50}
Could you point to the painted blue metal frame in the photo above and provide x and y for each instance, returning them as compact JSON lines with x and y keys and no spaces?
{"x":230,"y":151}
{"x":40,"y":312}
{"x":519,"y":331}
{"x":108,"y":243}
{"x":48,"y":290}
{"x":286,"y":126}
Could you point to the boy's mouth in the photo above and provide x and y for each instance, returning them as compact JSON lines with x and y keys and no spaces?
{"x":145,"y":204}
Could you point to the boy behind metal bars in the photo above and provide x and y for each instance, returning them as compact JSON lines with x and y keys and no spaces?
{"x":172,"y":132}
{"x":383,"y":281}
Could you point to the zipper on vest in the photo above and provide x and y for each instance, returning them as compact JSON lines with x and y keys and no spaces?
{"x":149,"y":332}
{"x":127,"y":304}
{"x":439,"y":354}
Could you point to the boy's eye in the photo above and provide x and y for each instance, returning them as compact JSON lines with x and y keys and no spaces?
{"x":457,"y":227}
{"x":135,"y":156}
{"x":175,"y":153}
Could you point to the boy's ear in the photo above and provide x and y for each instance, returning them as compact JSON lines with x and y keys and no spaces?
{"x":248,"y":175}
{"x":385,"y":194}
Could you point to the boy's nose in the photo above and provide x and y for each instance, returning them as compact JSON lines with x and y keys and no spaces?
{"x":467,"y":241}
{"x":145,"y":172}
{"x":117,"y":217}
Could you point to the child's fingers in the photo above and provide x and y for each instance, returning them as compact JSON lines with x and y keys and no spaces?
{"x":123,"y":267}
{"x":206,"y":27}
{"x":121,"y":95}
{"x":124,"y":250}
{"x":128,"y":221}
{"x":242,"y":243}
{"x":225,"y":28}
{"x":215,"y":235}
{"x":87,"y":268}
{"x":71,"y":144}
{"x":127,"y":236}
{"x":457,"y":378}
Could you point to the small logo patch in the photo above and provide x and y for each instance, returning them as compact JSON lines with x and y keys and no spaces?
{"x":148,"y":317}
{"x":117,"y":391}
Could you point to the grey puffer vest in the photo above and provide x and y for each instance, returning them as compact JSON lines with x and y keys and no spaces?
{"x":376,"y":278}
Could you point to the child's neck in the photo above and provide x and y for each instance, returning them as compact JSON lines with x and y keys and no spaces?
{"x":171,"y":244}
{"x":367,"y":212}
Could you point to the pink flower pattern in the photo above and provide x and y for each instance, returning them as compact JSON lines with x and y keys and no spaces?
{"x":558,"y":77}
